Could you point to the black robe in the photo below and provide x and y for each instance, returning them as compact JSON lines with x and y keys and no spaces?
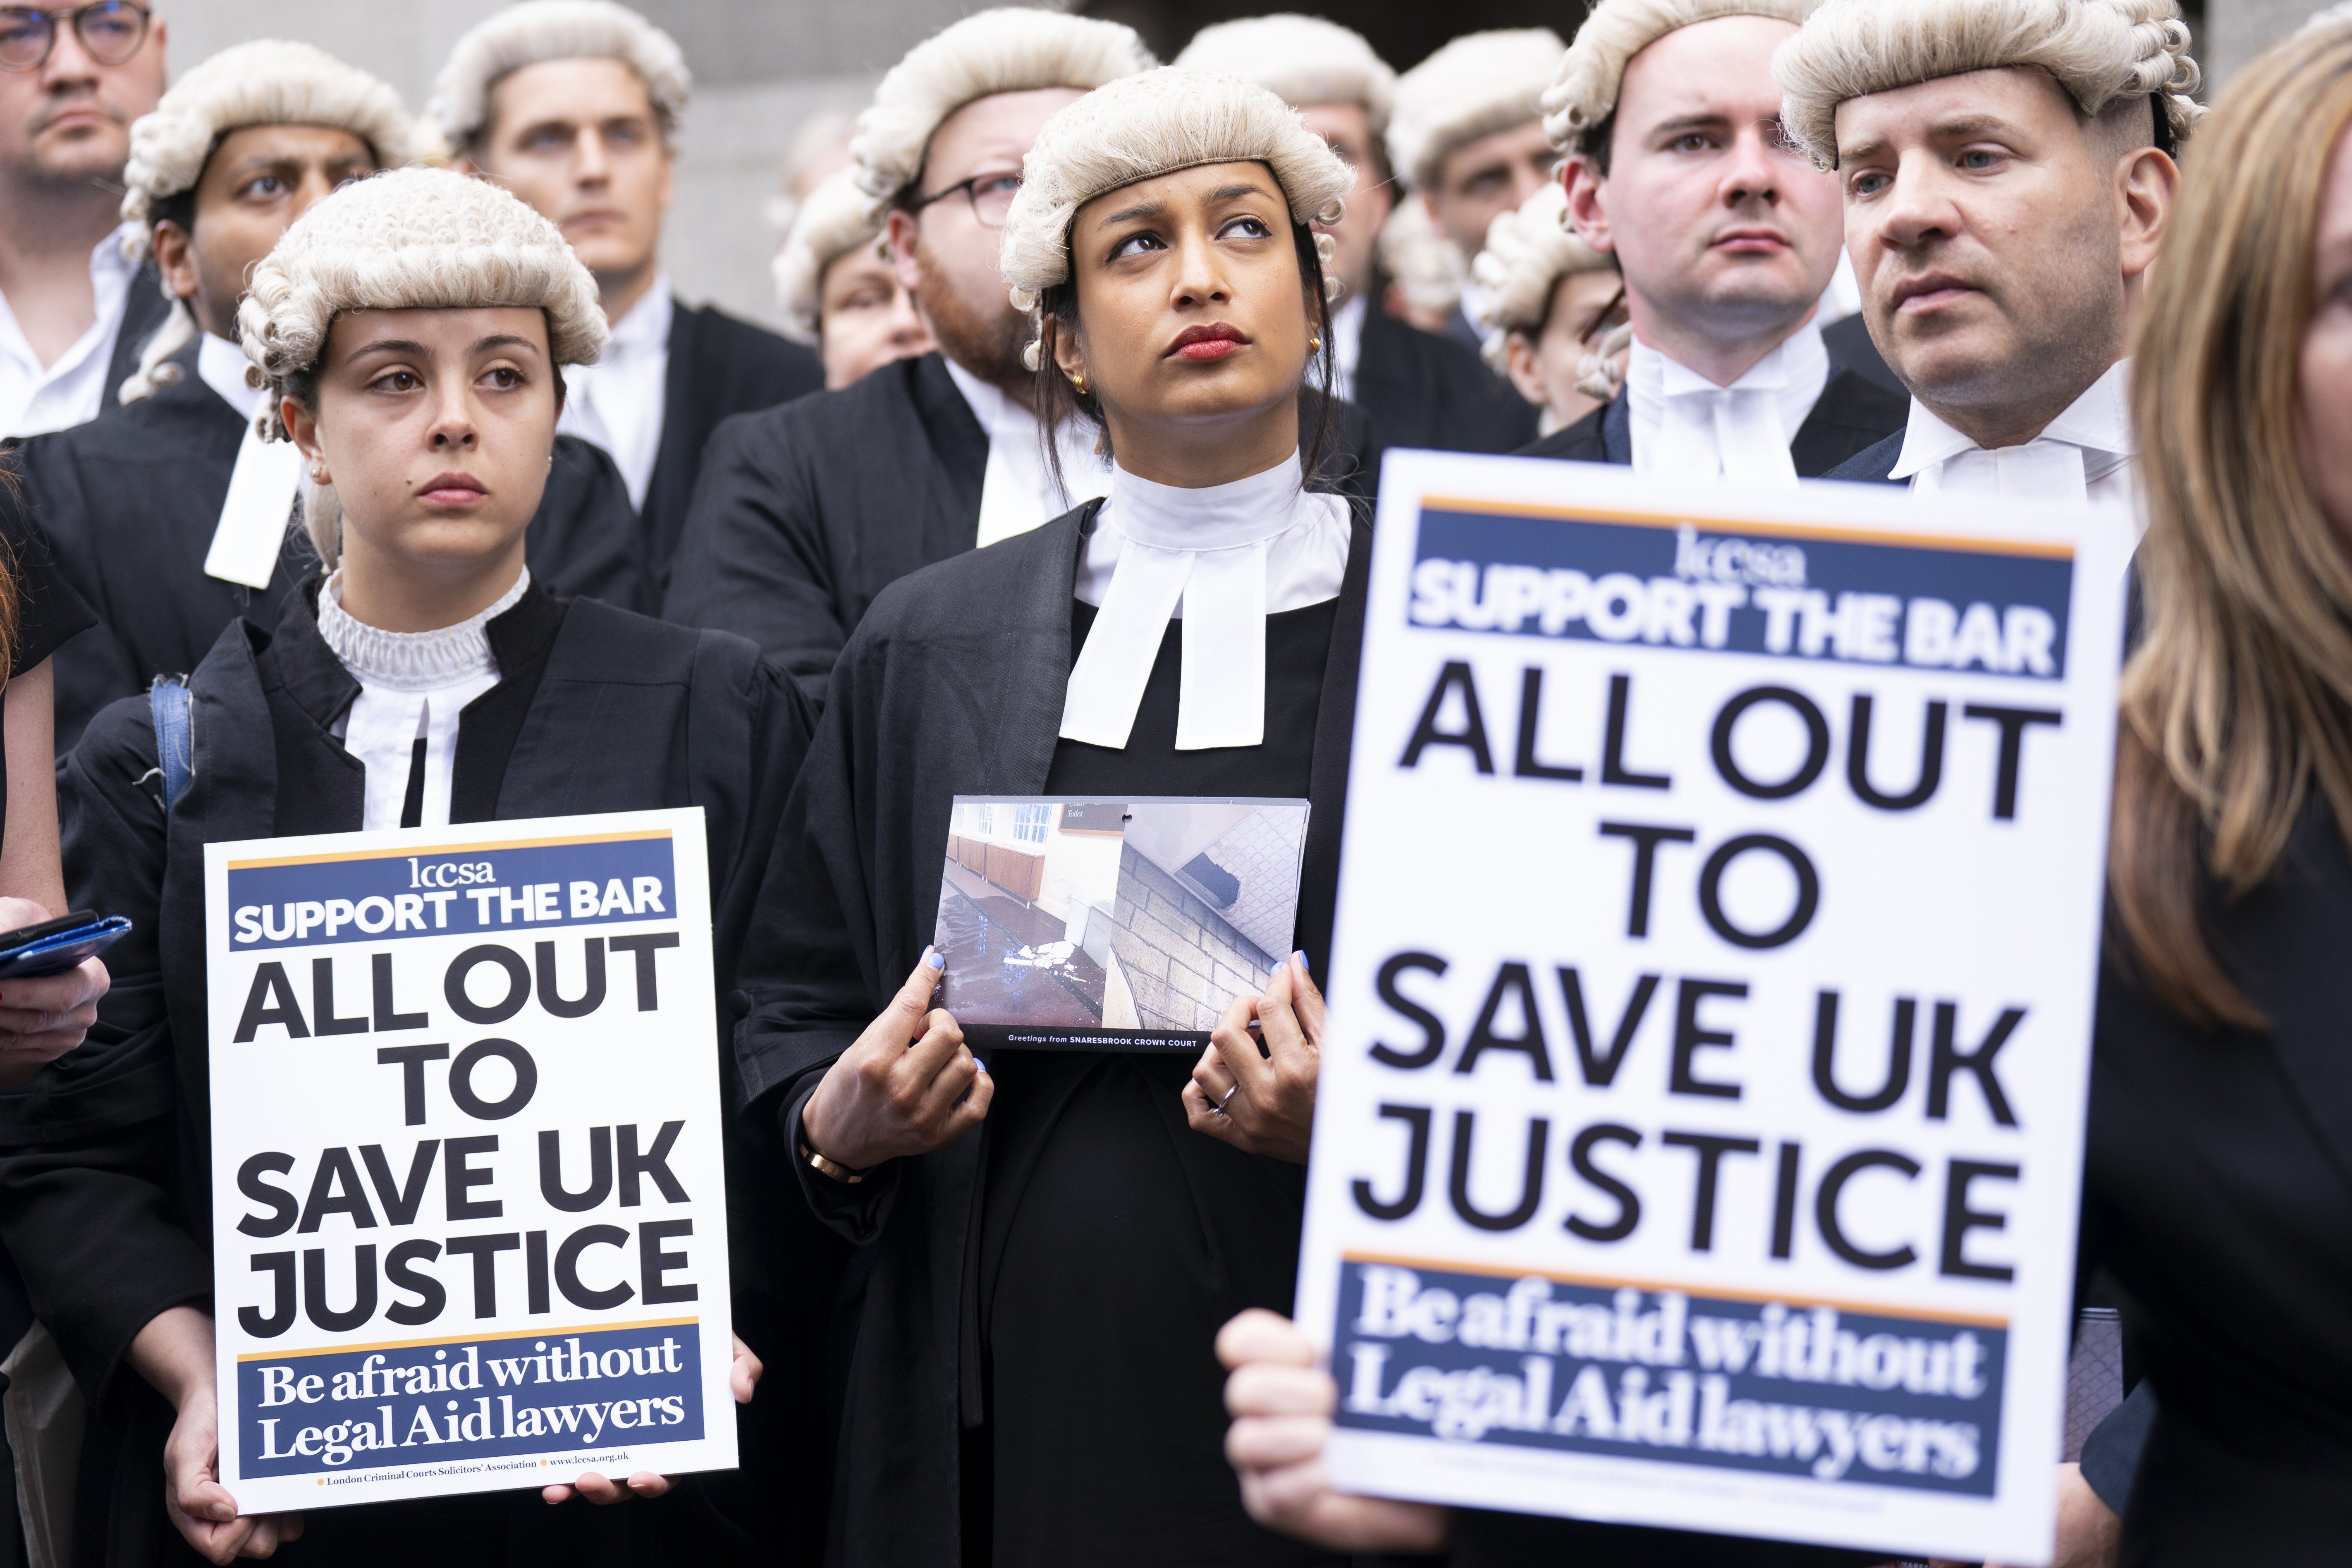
{"x":805,"y":512}
{"x":954,"y":684}
{"x":1850,"y":344}
{"x":129,"y":501}
{"x":1852,"y":414}
{"x":1873,"y":465}
{"x":718,"y":367}
{"x":143,"y":310}
{"x":104,"y":1154}
{"x":1419,"y":389}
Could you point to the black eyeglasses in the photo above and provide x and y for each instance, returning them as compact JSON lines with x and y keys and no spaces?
{"x":110,"y":31}
{"x":991,"y":196}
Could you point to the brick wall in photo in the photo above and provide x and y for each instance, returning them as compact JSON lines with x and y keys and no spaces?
{"x":1184,"y":963}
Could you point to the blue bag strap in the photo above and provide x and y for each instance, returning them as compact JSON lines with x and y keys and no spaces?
{"x":176,"y":749}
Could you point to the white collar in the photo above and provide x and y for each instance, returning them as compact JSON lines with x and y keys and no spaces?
{"x":645,"y":327}
{"x":222,"y":365}
{"x":1684,"y":424}
{"x":2098,"y":423}
{"x":1017,"y":492}
{"x":1227,"y":555}
{"x":412,"y":661}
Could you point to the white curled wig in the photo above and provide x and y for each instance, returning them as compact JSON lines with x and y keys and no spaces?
{"x":410,"y":240}
{"x":1303,"y":60}
{"x":1584,"y":95}
{"x":2097,"y":50}
{"x":267,"y":83}
{"x":1427,"y":267}
{"x":1146,"y":126}
{"x":1478,"y":84}
{"x":1012,"y":48}
{"x":539,"y":30}
{"x":1528,"y":251}
{"x":837,"y":218}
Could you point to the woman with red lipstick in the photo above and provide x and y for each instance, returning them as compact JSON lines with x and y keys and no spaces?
{"x":1050,"y":1242}
{"x":412,"y":329}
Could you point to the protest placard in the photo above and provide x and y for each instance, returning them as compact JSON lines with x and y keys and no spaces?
{"x":1699,"y":1133}
{"x":469,"y":1198}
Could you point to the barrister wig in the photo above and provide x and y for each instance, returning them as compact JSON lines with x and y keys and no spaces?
{"x":266,"y":82}
{"x":1528,"y":251}
{"x":539,"y":30}
{"x":835,"y":219}
{"x":1427,"y":267}
{"x":1584,"y":95}
{"x":1478,"y":84}
{"x":2099,"y":51}
{"x":1010,"y":49}
{"x":1145,"y":126}
{"x":1303,"y":60}
{"x":412,"y":239}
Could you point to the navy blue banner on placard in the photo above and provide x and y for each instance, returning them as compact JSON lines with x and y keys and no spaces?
{"x":560,"y":882}
{"x":1788,"y":592}
{"x":1794,"y":1389}
{"x":441,"y":1402}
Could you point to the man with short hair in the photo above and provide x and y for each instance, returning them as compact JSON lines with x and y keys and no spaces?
{"x":74,"y":306}
{"x":168,"y":514}
{"x":2006,"y":191}
{"x":574,"y":105}
{"x":1418,"y":389}
{"x":1726,"y":237}
{"x":1468,"y":136}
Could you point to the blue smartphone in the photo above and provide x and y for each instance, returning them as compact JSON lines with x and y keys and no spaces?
{"x":54,"y":946}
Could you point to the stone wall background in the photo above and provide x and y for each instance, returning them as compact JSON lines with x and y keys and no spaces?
{"x":1183,"y":961}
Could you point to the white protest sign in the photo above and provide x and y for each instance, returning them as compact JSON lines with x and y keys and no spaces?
{"x":469,"y":1212}
{"x":1699,"y":1130}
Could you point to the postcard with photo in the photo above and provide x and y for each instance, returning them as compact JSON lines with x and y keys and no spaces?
{"x":1113,"y":925}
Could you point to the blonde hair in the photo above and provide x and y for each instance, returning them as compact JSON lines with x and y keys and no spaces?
{"x":1477,"y":85}
{"x":1303,"y":60}
{"x":1584,"y":95}
{"x":2097,"y":50}
{"x":411,"y":239}
{"x":1145,"y":126}
{"x":1012,"y":48}
{"x":268,"y":82}
{"x":2237,"y":702}
{"x":541,"y":30}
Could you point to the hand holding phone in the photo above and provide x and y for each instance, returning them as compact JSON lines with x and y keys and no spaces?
{"x":50,"y":981}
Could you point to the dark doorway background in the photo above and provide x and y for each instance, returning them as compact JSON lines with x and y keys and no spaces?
{"x":1404,"y":31}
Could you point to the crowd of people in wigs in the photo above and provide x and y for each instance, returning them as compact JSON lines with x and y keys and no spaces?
{"x":386,"y":440}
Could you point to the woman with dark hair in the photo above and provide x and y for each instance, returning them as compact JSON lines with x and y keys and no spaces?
{"x":1049,"y":1243}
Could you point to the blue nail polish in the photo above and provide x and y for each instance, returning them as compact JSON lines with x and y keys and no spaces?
{"x":936,"y":959}
{"x":1301,"y":956}
{"x":979,"y":1064}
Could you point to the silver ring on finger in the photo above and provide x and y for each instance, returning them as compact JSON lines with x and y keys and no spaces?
{"x":1229,"y":1093}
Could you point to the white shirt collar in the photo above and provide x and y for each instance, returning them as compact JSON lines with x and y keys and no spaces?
{"x":35,"y":398}
{"x":1017,"y":492}
{"x":412,"y":661}
{"x":1226,"y":556}
{"x":620,"y":402}
{"x":222,"y":365}
{"x":1683,"y":423}
{"x":2084,"y":455}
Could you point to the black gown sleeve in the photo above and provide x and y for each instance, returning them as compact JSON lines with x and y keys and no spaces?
{"x":48,"y":611}
{"x":89,"y":1147}
{"x":753,"y":559}
{"x":585,"y":540}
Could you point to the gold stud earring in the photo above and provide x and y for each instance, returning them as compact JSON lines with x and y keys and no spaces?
{"x":1315,"y":345}
{"x":1078,"y":380}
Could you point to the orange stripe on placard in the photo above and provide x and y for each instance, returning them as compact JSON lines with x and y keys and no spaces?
{"x":1741,"y":525}
{"x":452,"y":850}
{"x":1871,"y":1309}
{"x":471,"y":1339}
